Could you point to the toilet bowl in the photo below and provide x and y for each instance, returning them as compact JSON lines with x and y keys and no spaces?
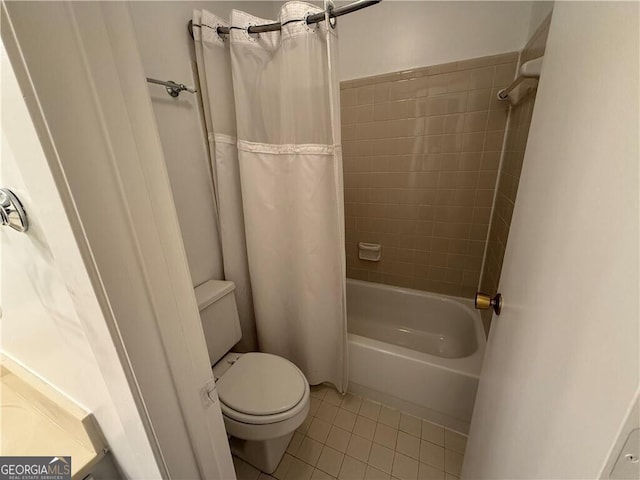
{"x":264,"y":398}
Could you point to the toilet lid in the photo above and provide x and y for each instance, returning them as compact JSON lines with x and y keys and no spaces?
{"x":261,"y":384}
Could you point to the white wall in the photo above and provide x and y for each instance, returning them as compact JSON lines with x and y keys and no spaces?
{"x":166,"y":50}
{"x":41,"y":326}
{"x":398,"y":35}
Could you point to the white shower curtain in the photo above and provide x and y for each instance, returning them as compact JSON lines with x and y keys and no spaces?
{"x":278,"y":174}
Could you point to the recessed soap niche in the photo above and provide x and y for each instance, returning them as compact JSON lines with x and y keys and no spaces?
{"x":369,"y":251}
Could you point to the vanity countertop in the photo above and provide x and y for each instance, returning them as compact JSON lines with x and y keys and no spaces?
{"x":37,"y":420}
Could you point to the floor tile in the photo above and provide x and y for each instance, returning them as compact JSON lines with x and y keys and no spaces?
{"x":338,"y":439}
{"x":314,"y":404}
{"x":452,"y":462}
{"x":369,"y":409}
{"x":299,"y":470}
{"x":455,"y":441}
{"x":319,"y":391}
{"x":381,"y":458}
{"x":352,"y":469}
{"x":333,"y":397}
{"x":320,"y":475}
{"x":305,"y":425}
{"x":408,"y":445}
{"x":319,"y":430}
{"x":364,"y":427}
{"x":351,"y":403}
{"x":264,"y":476}
{"x":389,"y":416}
{"x":283,"y":467}
{"x":410,"y":424}
{"x":353,"y":438}
{"x":404,"y":468}
{"x":295,"y":442}
{"x":385,"y":436}
{"x":432,"y":454}
{"x":432,"y":433}
{"x":326,"y":412}
{"x":359,"y":448}
{"x":244,"y":471}
{"x":427,"y":472}
{"x":330,"y":461}
{"x":375,"y":474}
{"x":309,"y":451}
{"x":345,"y":419}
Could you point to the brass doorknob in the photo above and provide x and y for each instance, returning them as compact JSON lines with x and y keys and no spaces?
{"x":485,"y":302}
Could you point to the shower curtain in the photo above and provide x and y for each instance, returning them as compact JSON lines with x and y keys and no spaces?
{"x":272,"y":113}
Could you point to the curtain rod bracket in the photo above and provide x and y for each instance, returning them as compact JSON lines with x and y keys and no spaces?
{"x":172,"y":87}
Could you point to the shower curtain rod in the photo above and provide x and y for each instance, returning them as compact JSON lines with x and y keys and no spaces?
{"x":315,"y":18}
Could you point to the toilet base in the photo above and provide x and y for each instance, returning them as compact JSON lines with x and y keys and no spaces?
{"x":265,"y":455}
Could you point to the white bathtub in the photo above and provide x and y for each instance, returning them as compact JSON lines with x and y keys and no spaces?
{"x":418,"y":351}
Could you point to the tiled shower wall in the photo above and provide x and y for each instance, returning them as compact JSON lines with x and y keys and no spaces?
{"x":517,"y":135}
{"x":421,"y":154}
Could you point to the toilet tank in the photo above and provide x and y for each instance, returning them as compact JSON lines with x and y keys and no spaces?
{"x":219,"y":316}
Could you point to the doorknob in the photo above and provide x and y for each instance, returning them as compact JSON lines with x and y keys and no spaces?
{"x":12,"y":213}
{"x":485,"y":302}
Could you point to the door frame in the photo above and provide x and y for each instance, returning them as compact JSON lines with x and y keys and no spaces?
{"x":85,"y":90}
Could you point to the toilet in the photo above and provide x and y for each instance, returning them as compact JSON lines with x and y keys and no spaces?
{"x":263,"y":397}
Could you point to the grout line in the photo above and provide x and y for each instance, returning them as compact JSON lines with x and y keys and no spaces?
{"x":394,"y":450}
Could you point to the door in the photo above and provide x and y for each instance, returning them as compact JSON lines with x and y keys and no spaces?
{"x":78,"y":70}
{"x":51,"y":322}
{"x":561,"y":365}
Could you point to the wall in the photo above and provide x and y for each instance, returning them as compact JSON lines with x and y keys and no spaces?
{"x":509,"y":177}
{"x":41,"y":327}
{"x":166,"y":50}
{"x":401,"y":35}
{"x":421,"y":154}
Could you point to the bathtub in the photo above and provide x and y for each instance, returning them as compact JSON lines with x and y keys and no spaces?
{"x":417,"y":351}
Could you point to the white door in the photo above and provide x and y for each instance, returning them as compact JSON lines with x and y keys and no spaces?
{"x":85,"y":93}
{"x":561,"y":366}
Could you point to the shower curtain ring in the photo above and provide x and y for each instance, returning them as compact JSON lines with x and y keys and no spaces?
{"x":333,"y":21}
{"x":252,"y":36}
{"x":311,"y":27}
{"x":219,"y":34}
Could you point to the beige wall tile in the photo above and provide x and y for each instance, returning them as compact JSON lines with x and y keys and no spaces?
{"x":421,"y":153}
{"x":497,"y":120}
{"x":348,"y":97}
{"x":438,"y":84}
{"x":381,"y":93}
{"x":365,"y":95}
{"x":381,"y":111}
{"x":478,"y":100}
{"x":504,"y":74}
{"x":364,"y":114}
{"x":473,"y":142}
{"x":475,"y":121}
{"x":481,"y":78}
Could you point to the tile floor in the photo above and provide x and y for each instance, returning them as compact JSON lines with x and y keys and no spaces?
{"x":353,"y":438}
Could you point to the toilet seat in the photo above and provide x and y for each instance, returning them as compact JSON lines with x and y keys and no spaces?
{"x":260,"y":388}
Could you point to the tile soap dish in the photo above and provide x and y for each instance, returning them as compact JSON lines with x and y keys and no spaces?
{"x":369,"y":251}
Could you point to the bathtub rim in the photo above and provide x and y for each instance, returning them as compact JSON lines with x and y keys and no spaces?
{"x":470,"y":365}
